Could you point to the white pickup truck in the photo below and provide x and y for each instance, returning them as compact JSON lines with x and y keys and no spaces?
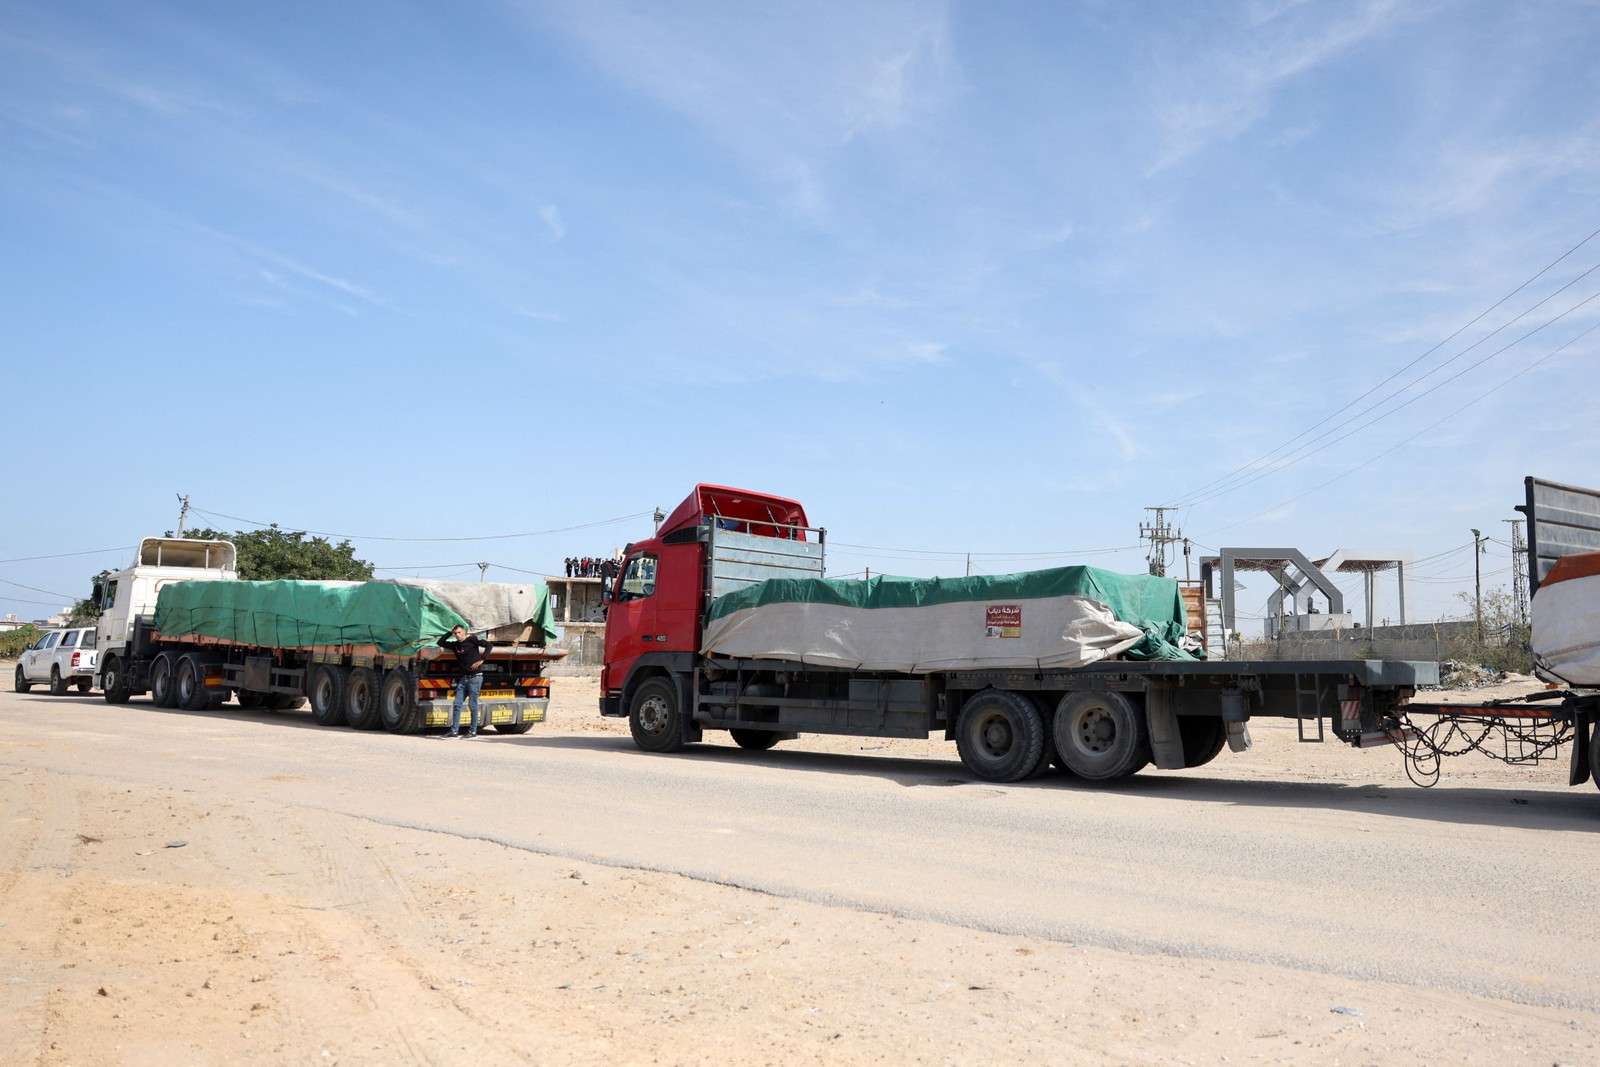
{"x":59,"y":659}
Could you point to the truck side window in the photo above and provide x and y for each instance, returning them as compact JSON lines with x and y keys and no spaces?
{"x":69,"y":639}
{"x":110,"y":596}
{"x":639,"y":580}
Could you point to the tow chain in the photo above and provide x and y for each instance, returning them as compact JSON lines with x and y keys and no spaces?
{"x":1524,"y":739}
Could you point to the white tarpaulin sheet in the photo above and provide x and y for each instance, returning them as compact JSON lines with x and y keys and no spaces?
{"x":1566,"y":629}
{"x":485,"y":605}
{"x":1062,"y":631}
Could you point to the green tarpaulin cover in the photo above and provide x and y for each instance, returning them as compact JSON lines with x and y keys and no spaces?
{"x":1153,"y":605}
{"x":397,"y":618}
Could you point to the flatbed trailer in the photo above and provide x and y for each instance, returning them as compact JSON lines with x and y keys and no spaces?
{"x":1105,"y":720}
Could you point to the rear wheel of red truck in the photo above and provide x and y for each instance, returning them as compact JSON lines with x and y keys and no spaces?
{"x":1000,"y":736}
{"x":654,"y":718}
{"x":361,"y":699}
{"x":327,"y":695}
{"x":397,"y":703}
{"x":1203,"y":737}
{"x":1101,"y":735}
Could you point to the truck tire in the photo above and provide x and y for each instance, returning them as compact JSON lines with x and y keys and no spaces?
{"x":1594,"y":753}
{"x":327,"y":694}
{"x":1203,"y":737}
{"x":755,"y":740}
{"x":163,"y":679}
{"x":113,"y":683}
{"x":513,"y":727}
{"x":190,"y":686}
{"x":361,"y":699}
{"x":22,"y":684}
{"x":251,"y":700}
{"x":1101,"y":735}
{"x":397,"y":702}
{"x":58,"y":684}
{"x":285,"y":702}
{"x":1000,"y":736}
{"x":654,"y":717}
{"x":85,"y":684}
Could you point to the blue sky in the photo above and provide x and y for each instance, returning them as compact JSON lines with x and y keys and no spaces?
{"x":987,"y":278}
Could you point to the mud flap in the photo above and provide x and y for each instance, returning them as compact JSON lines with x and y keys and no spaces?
{"x":1238,"y":736}
{"x":1166,"y":742}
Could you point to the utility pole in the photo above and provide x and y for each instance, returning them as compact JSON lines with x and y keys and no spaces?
{"x":183,"y":513}
{"x":1477,"y":579}
{"x":483,"y":569}
{"x":1519,"y":572}
{"x":1160,"y":534}
{"x":969,"y":564}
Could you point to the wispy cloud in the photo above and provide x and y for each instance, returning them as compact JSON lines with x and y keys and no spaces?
{"x":783,"y":88}
{"x":552,"y":219}
{"x":1225,"y":91}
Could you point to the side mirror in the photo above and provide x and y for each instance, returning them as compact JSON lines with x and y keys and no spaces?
{"x":97,"y":597}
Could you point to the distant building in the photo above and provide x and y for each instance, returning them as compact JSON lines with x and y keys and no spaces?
{"x":579,"y":613}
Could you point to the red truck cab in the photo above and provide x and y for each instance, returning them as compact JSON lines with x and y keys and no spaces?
{"x":658,"y":599}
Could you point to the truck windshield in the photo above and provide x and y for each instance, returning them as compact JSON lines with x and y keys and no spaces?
{"x":639,"y":580}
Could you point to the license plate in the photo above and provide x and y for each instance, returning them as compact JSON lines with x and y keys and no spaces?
{"x":497,"y":694}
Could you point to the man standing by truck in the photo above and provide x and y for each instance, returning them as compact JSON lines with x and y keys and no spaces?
{"x":470,"y":652}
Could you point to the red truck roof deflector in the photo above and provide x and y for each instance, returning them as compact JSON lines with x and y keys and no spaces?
{"x":719,"y":501}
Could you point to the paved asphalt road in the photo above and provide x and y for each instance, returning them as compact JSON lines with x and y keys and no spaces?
{"x":1480,"y":890}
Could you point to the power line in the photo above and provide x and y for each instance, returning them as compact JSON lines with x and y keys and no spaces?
{"x":1306,"y":451}
{"x":1203,"y":493}
{"x":1400,"y":444}
{"x":428,"y":540}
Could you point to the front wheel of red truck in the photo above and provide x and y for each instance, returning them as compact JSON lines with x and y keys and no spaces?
{"x":654,"y":717}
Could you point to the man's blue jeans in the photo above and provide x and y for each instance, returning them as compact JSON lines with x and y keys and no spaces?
{"x":467,"y":688}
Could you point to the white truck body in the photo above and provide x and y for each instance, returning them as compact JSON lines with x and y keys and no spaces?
{"x":131,"y":592}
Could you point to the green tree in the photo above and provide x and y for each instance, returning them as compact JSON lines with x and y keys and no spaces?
{"x":269,"y":554}
{"x":12,"y":642}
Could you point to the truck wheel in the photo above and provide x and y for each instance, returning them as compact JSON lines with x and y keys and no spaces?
{"x":190,"y":687}
{"x":113,"y":683}
{"x":58,"y":684}
{"x":250,"y":700}
{"x":1000,"y":736}
{"x":755,"y":740}
{"x":397,"y":702}
{"x":1594,"y":752}
{"x":654,"y":718}
{"x":85,"y":684}
{"x":1101,"y":735}
{"x":1203,"y":737}
{"x":22,"y":684}
{"x":285,"y":702}
{"x":361,"y":699}
{"x":513,"y":727}
{"x":327,"y":695}
{"x":163,"y":675}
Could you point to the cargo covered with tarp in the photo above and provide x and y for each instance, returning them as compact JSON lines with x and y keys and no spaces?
{"x":1063,"y":617}
{"x":1566,"y":621}
{"x":395,"y":617}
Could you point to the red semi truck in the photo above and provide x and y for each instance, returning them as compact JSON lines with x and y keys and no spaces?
{"x":1103,"y":720}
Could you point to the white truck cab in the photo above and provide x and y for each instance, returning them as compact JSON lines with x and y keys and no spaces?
{"x":125,"y":595}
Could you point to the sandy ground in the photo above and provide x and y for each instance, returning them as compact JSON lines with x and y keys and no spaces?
{"x":187,"y":924}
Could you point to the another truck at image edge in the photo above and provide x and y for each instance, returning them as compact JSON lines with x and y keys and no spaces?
{"x":253,"y":643}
